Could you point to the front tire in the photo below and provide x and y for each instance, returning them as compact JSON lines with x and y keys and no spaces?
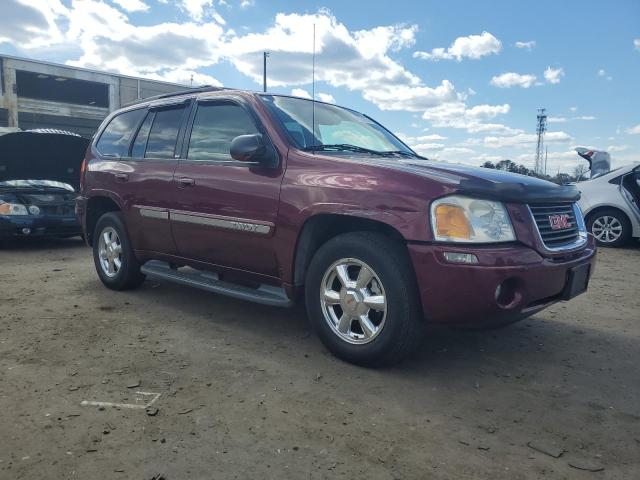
{"x":115,"y":262}
{"x":362,"y":299}
{"x":610,"y":227}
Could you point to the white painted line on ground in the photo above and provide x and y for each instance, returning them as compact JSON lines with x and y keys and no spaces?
{"x":93,"y":403}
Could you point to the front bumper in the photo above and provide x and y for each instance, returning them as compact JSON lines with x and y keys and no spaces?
{"x":465,"y":294}
{"x":39,"y":226}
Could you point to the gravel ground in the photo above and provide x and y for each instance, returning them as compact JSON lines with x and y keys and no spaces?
{"x":245,"y":391}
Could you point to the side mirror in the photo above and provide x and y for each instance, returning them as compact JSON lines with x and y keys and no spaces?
{"x":248,"y":148}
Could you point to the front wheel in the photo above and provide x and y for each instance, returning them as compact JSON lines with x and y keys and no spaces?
{"x":362,"y":299}
{"x":115,"y":262}
{"x":611,"y":228}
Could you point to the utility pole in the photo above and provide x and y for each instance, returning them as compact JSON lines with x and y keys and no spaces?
{"x":264,"y":71}
{"x":540,"y":129}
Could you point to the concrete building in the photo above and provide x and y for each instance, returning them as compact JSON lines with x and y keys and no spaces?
{"x":36,"y":94}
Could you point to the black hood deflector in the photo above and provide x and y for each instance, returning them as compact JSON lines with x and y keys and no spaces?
{"x":480,"y":182}
{"x":42,"y":156}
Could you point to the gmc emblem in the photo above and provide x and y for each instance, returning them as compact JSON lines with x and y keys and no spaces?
{"x":559,"y":222}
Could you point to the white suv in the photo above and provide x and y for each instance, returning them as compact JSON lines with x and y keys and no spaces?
{"x":611,"y":205}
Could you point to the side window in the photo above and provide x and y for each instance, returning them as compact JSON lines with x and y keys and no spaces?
{"x":114,"y":141}
{"x":214,"y":127}
{"x":164,"y":133}
{"x":140,"y":142}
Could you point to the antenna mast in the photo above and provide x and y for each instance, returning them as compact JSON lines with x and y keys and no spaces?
{"x":264,"y":71}
{"x":313,"y":88}
{"x":540,"y":129}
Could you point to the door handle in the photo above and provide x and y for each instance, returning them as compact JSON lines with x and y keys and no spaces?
{"x":186,"y":182}
{"x":121,"y":177}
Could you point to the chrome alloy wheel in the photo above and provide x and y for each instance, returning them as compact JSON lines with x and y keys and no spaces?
{"x":353,"y":301}
{"x":110,"y":251}
{"x":607,"y":229}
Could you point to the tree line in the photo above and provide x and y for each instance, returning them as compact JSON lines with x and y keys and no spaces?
{"x":579,"y":172}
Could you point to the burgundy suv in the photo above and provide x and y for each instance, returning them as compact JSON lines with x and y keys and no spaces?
{"x":270,"y":198}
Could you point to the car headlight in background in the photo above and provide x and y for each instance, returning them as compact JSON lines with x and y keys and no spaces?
{"x":470,"y":220}
{"x":7,"y":208}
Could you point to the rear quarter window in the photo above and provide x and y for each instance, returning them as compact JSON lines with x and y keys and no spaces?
{"x":115,"y":139}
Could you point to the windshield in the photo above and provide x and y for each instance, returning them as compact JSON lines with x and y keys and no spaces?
{"x":336,"y":128}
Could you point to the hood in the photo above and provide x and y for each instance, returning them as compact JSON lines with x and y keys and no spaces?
{"x":482,"y":182}
{"x":47,"y":155}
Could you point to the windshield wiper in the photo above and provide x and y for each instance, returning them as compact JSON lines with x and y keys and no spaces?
{"x":403,"y":153}
{"x":342,"y":147}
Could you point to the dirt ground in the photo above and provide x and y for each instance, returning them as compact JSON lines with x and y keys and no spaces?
{"x":246,"y":392}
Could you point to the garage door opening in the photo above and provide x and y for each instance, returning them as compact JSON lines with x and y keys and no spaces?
{"x":52,"y":88}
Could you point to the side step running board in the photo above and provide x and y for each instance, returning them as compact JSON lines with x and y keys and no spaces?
{"x":209,"y":281}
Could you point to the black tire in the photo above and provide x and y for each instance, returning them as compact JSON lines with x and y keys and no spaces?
{"x":128,"y":276}
{"x":623,"y":220}
{"x":404,"y":325}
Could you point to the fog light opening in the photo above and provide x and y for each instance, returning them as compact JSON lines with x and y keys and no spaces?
{"x":26,"y":231}
{"x":507,"y":293}
{"x":457,"y":257}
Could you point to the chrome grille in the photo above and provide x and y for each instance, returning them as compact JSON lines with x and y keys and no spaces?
{"x":561,"y":236}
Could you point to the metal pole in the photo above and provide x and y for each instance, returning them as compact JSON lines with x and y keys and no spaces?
{"x":264,"y":71}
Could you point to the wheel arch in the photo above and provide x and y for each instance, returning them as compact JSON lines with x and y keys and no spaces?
{"x":322,"y":227}
{"x":600,"y":208}
{"x":96,"y":207}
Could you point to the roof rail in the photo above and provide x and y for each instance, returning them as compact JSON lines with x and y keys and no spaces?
{"x":204,"y":88}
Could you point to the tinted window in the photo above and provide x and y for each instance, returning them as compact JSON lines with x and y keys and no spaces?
{"x":164,"y":133}
{"x":214,"y":127}
{"x":140,"y":142}
{"x":115,"y":139}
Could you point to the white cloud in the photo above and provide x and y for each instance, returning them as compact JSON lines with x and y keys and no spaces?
{"x":617,"y":148}
{"x":196,"y":8}
{"x":633,"y":130}
{"x":585,"y":117}
{"x":530,"y":45}
{"x":553,"y":75}
{"x":573,"y":109}
{"x":326,"y":97}
{"x":459,"y":115}
{"x":356,"y":60}
{"x":636,"y":43}
{"x":512,"y":79}
{"x":300,"y":92}
{"x":525,"y":140}
{"x":132,"y":5}
{"x":246,"y":3}
{"x":184,"y":77}
{"x":472,"y":46}
{"x":556,"y":119}
{"x":31,"y":24}
{"x":602,"y":72}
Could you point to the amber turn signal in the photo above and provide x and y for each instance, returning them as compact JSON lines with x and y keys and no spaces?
{"x":451,"y":222}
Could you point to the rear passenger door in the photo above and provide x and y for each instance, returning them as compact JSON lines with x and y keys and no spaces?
{"x":225,"y":209}
{"x":149,"y":190}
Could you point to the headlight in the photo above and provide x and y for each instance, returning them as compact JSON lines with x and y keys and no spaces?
{"x":470,"y":220}
{"x":12,"y":209}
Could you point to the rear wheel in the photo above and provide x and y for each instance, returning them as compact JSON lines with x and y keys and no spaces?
{"x":113,"y":256}
{"x":611,"y":228}
{"x":362,"y":299}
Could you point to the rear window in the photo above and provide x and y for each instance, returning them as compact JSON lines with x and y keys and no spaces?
{"x":164,"y":133}
{"x":115,"y":139}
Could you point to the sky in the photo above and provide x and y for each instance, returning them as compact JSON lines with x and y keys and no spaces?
{"x":459,"y":81}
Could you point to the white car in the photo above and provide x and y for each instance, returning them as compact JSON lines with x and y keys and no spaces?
{"x":611,"y":205}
